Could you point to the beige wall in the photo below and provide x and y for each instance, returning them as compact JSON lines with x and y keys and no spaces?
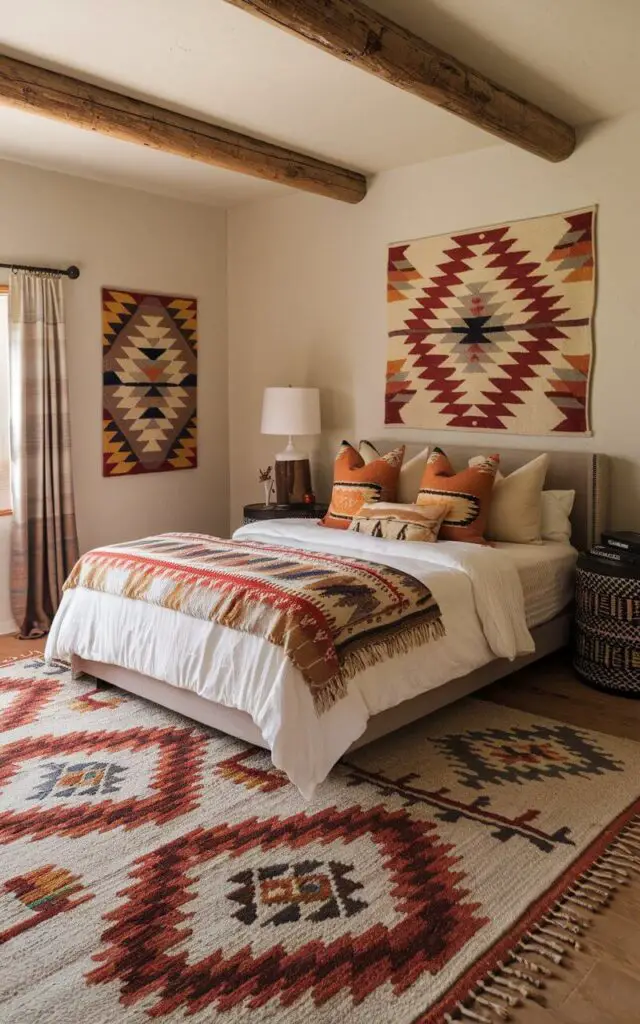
{"x":125,"y":238}
{"x":307,"y":296}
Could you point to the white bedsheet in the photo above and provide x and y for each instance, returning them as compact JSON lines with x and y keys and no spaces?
{"x":477,"y":588}
{"x":547,"y":575}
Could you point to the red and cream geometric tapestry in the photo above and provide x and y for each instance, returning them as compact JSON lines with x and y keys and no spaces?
{"x":150,"y":376}
{"x":491,"y":329}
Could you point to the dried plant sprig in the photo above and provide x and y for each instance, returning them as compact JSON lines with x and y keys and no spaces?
{"x":265,"y":475}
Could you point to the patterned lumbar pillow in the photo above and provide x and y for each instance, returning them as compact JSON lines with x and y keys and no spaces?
{"x":410,"y":474}
{"x":401,"y":522}
{"x":469,"y":492}
{"x":516,"y":503}
{"x":356,"y":482}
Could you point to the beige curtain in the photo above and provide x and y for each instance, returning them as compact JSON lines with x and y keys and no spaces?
{"x":44,"y":539}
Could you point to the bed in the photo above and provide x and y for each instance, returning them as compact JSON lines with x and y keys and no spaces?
{"x":244,"y":686}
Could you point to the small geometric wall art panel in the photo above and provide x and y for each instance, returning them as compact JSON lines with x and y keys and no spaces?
{"x":491,"y":329}
{"x":150,"y":376}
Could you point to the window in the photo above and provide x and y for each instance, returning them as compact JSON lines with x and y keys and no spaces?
{"x":5,"y":492}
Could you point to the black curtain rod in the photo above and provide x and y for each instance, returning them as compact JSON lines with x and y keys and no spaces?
{"x":72,"y":272}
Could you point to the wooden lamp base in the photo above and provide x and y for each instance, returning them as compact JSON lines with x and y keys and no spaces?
{"x":293,"y":481}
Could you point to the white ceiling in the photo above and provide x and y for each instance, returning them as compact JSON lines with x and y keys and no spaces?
{"x":203,"y":57}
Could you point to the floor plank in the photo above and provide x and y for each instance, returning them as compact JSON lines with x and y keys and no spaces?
{"x":607,"y":995}
{"x":601,"y":984}
{"x":11,"y":647}
{"x":552,"y":688}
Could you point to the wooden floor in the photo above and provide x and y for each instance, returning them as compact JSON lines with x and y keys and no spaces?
{"x":602,"y":985}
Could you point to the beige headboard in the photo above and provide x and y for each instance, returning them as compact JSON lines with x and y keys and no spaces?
{"x":585,"y":473}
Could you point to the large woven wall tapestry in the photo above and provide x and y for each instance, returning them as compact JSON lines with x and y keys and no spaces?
{"x":491,"y":329}
{"x":149,"y":382}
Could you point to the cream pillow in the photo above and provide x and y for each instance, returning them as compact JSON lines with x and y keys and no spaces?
{"x":556,"y":509}
{"x":410,"y":474}
{"x":515,"y":515}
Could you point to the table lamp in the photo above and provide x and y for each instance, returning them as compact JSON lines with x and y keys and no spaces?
{"x":291,"y":412}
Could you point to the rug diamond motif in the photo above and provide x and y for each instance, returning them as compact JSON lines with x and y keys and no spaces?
{"x":418,"y":884}
{"x":524,"y":755}
{"x":80,"y":782}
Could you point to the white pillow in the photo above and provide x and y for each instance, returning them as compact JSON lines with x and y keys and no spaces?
{"x":410,"y":474}
{"x":515,"y":514}
{"x":556,"y":509}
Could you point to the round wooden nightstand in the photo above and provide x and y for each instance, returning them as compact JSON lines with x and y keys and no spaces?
{"x":607,"y":626}
{"x":255,"y":513}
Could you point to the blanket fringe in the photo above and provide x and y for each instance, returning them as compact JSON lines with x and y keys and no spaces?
{"x":518,"y":977}
{"x":401,"y":640}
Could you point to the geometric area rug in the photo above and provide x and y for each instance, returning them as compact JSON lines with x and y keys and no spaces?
{"x":152,"y":869}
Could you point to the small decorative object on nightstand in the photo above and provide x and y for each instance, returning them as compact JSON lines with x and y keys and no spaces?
{"x":266,"y":479}
{"x":607,"y":628}
{"x":254,"y":513}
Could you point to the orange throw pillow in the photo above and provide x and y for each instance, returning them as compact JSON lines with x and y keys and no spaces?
{"x":469,"y":491}
{"x":356,"y":482}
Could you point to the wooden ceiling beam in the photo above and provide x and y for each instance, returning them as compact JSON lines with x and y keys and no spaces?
{"x":54,"y":95}
{"x":355,"y":33}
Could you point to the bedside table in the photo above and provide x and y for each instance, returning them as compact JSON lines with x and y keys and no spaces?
{"x":257,"y":512}
{"x":607,"y":625}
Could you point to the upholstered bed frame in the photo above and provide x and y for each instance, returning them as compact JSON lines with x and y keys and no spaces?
{"x":583,"y":472}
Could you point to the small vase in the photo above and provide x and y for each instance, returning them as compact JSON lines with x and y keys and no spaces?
{"x":267,"y":493}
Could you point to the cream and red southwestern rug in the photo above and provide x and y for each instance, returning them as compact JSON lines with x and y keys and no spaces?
{"x":154,"y":870}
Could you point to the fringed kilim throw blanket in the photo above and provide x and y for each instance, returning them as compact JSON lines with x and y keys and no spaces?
{"x":154,"y":871}
{"x":333,"y":616}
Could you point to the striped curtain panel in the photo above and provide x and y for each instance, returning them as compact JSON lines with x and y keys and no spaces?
{"x":44,"y":539}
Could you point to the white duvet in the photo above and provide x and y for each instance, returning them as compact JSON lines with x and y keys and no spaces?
{"x":477,"y":588}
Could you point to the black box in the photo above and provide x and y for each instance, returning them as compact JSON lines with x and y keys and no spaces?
{"x":622,"y":540}
{"x":612,"y":563}
{"x":616,"y":555}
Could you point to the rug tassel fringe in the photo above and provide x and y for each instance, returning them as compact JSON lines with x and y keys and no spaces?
{"x":607,"y":881}
{"x":526,"y":991}
{"x":540,"y":949}
{"x":581,"y":901}
{"x":625,"y":861}
{"x":518,"y":977}
{"x":465,"y":1014}
{"x":568,"y":940}
{"x":498,"y":1010}
{"x":515,"y":972}
{"x":612,"y":872}
{"x":531,"y":965}
{"x":631,"y":835}
{"x":630,"y":846}
{"x":595,"y":892}
{"x":494,"y":990}
{"x":566,"y":923}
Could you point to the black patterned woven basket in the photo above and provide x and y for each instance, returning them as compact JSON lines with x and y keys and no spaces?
{"x":607,"y":627}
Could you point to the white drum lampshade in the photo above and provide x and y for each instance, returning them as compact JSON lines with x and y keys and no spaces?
{"x":291,"y":412}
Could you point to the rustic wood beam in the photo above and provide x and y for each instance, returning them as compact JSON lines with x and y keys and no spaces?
{"x":355,"y":33}
{"x":67,"y":99}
